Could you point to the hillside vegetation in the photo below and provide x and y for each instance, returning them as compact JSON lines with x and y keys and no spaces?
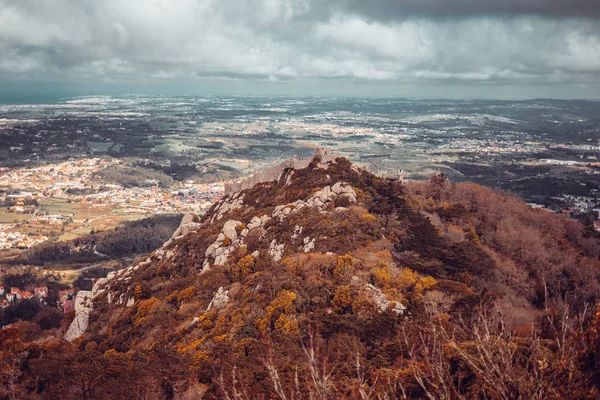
{"x":336,"y":284}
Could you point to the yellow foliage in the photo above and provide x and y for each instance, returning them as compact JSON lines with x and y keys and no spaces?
{"x":363,"y":306}
{"x":201,"y":358}
{"x":382,"y":276}
{"x":369,"y":217}
{"x":110,"y":352}
{"x":287,"y":325}
{"x":407,"y":279}
{"x":226,"y":241}
{"x":243,"y":267}
{"x":342,"y":298}
{"x":172,"y":297}
{"x":410,"y":279}
{"x":191,"y":346}
{"x":220,"y":338}
{"x":205,"y":321}
{"x":344,"y":268}
{"x":143,"y":308}
{"x":284,"y":302}
{"x":427,"y":282}
{"x":186,"y":293}
{"x":137,"y":293}
{"x":424,"y":283}
{"x":221,"y":325}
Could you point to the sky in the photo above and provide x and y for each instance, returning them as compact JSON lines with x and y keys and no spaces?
{"x":392,"y":48}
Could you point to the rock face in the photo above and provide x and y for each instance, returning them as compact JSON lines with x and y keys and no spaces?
{"x":229,"y":229}
{"x":219,"y":251}
{"x":186,"y":226}
{"x":220,"y":300}
{"x":83,"y":307}
{"x":319,"y":199}
{"x":228,"y":204}
{"x":309,"y":244}
{"x":276,"y":250}
{"x":382,"y":302}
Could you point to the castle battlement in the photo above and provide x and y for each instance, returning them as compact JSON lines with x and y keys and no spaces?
{"x":273,"y":173}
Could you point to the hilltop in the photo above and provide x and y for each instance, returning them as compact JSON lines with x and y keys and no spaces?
{"x":330,"y":282}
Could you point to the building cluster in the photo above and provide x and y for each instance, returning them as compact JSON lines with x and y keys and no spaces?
{"x":66,"y":300}
{"x":16,"y":240}
{"x":11,"y":295}
{"x":490,"y":146}
{"x":582,"y":203}
{"x":74,"y":182}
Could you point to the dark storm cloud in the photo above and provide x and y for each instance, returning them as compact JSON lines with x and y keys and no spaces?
{"x":424,"y":42}
{"x":400,"y":9}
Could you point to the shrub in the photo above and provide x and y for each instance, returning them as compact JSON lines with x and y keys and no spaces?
{"x":342,"y":298}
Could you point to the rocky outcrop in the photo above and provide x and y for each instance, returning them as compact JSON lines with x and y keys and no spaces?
{"x":309,"y":244}
{"x":276,"y":250}
{"x":83,"y":307}
{"x":382,"y":302}
{"x":227,"y":204}
{"x":319,"y":199}
{"x":220,"y":300}
{"x":186,"y":226}
{"x":229,"y":229}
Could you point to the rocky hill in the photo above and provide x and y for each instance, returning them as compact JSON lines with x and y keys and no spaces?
{"x":333,"y":283}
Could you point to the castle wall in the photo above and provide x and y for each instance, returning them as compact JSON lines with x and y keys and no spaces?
{"x":273,"y":173}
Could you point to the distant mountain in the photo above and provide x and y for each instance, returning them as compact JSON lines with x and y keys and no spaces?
{"x":333,"y":283}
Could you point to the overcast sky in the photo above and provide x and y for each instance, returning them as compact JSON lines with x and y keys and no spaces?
{"x":423,"y":48}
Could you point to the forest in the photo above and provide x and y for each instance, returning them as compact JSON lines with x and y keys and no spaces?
{"x":126,"y":240}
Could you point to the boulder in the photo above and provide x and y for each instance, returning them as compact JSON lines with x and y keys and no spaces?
{"x":337,"y":188}
{"x":219,"y":300}
{"x":348,"y":189}
{"x":229,"y":229}
{"x":210,"y":252}
{"x":255,"y":222}
{"x":324,"y":197}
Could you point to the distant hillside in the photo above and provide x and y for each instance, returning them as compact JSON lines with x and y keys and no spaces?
{"x":333,"y":283}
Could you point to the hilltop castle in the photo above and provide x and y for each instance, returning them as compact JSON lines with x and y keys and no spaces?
{"x":273,"y":173}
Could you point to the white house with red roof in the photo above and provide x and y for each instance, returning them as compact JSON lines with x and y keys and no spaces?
{"x":26,"y":295}
{"x":41,"y":292}
{"x":16,"y":292}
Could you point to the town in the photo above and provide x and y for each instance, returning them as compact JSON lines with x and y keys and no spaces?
{"x":64,"y":200}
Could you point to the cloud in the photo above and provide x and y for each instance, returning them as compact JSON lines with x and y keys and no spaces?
{"x":394,"y":9}
{"x":428,"y":41}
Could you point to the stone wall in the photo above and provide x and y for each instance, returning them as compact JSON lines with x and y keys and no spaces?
{"x":273,"y":173}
